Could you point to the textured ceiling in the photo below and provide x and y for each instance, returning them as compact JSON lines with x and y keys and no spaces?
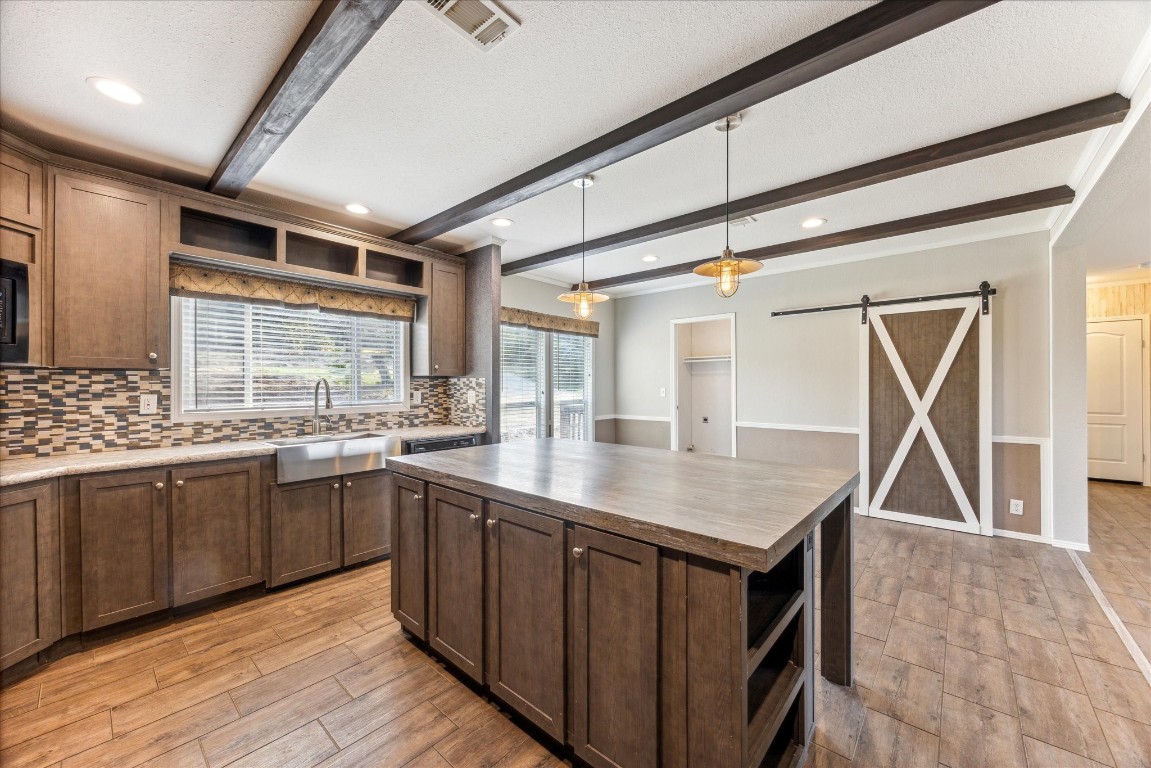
{"x":422,"y":119}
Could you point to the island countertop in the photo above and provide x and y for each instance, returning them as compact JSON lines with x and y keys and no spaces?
{"x":742,"y":512}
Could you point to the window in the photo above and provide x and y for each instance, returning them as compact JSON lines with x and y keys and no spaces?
{"x":545,"y":384}
{"x":239,"y":359}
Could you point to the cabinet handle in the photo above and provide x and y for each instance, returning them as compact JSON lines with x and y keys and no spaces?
{"x":335,"y":485}
{"x":348,"y":484}
{"x":179,"y":483}
{"x":159,"y":486}
{"x":491,"y":523}
{"x":577,"y":551}
{"x":153,"y":356}
{"x":473,"y":517}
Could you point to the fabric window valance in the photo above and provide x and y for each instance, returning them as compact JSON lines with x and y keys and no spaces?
{"x":210,"y":282}
{"x":544,"y":322}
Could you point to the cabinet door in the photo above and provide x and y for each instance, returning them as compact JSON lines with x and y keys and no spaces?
{"x":123,"y":546}
{"x":29,"y":572}
{"x":217,"y":538}
{"x":615,"y":691}
{"x":526,"y":619}
{"x":110,"y":299}
{"x":367,"y":516}
{"x":456,"y":578}
{"x":447,"y":320}
{"x":21,"y":189}
{"x":305,"y":523}
{"x":409,"y":555}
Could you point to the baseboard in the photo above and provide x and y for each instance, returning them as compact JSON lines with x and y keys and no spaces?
{"x":1075,"y":545}
{"x":1021,"y":536}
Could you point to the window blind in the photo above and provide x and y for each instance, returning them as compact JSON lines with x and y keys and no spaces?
{"x":522,"y":384}
{"x":571,"y":386}
{"x":236,"y":356}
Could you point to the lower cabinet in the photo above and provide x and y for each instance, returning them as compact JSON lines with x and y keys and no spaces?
{"x":526,"y":618}
{"x":456,"y":578}
{"x":217,"y":536}
{"x":304,"y":530}
{"x":29,"y":571}
{"x":123,"y":546}
{"x":409,"y":555}
{"x":367,"y":512}
{"x":615,"y":637}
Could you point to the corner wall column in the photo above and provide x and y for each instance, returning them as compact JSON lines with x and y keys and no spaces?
{"x":482,"y":296}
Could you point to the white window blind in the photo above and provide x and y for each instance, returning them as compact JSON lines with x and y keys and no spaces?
{"x":250,"y":357}
{"x":545,"y":384}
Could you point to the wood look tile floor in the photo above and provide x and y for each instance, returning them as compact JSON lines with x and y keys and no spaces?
{"x":970,"y":652}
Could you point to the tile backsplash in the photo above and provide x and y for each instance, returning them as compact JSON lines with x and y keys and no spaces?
{"x":45,"y":411}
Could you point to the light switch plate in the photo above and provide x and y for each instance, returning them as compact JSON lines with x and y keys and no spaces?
{"x":471,"y":398}
{"x":417,"y":398}
{"x":662,"y":392}
{"x":149,"y":404}
{"x":1016,"y":507}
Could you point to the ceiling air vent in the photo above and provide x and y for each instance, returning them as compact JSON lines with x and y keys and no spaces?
{"x":481,"y":21}
{"x":743,"y":221}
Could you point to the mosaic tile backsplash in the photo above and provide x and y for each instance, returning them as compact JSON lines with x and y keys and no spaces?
{"x":44,"y":412}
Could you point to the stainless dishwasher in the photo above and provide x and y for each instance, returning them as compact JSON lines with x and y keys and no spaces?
{"x":429,"y":444}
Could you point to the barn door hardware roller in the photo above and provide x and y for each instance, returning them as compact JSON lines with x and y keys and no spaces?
{"x":984,"y":293}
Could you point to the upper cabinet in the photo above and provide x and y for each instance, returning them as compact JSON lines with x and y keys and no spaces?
{"x":21,"y":189}
{"x":438,"y":343}
{"x":109,"y":280}
{"x":22,"y":233}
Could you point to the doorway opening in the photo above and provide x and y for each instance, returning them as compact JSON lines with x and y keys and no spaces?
{"x":703,"y":385}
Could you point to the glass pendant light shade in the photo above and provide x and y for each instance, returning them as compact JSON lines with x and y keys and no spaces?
{"x":582,"y":297}
{"x":726,"y":271}
{"x":581,"y":300}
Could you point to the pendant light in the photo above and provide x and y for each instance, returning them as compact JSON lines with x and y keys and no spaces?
{"x":581,"y":299}
{"x":727,"y":269}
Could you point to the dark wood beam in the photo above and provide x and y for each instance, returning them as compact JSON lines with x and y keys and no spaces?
{"x":1097,"y":113}
{"x":873,"y":30}
{"x":336,"y":33}
{"x":992,"y":209}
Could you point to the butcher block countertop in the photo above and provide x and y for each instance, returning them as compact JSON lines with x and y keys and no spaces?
{"x":737,"y":511}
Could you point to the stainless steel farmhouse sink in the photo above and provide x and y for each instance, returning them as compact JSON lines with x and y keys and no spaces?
{"x":314,"y":456}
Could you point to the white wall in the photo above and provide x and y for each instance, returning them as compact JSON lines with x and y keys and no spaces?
{"x":537,"y":296}
{"x":804,"y":370}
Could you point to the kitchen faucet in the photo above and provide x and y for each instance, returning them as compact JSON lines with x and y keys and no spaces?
{"x":316,"y":405}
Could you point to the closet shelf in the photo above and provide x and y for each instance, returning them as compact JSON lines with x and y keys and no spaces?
{"x":707,"y":359}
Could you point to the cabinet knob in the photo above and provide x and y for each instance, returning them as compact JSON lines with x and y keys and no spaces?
{"x":473,"y":517}
{"x":348,"y":484}
{"x":577,"y":551}
{"x":153,"y":356}
{"x":159,"y":486}
{"x":417,"y":497}
{"x":179,"y":483}
{"x":335,"y":485}
{"x":491,"y":523}
{"x":435,"y":367}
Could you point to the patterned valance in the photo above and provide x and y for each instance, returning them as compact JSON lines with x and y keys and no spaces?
{"x":543,"y":322}
{"x":210,"y":282}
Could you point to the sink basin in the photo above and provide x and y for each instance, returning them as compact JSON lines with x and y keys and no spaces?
{"x":314,"y":456}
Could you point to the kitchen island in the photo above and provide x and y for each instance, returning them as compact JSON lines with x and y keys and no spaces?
{"x":644,"y":607}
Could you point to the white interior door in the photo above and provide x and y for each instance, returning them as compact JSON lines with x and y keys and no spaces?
{"x":1115,"y":390}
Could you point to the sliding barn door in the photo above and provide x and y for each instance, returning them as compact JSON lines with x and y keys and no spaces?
{"x":925,"y":413}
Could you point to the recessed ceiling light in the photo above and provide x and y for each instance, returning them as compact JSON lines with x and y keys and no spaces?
{"x":1145,"y":265}
{"x":502,"y":222}
{"x":357,"y":208}
{"x":651,"y":257}
{"x":113,"y":89}
{"x":813,"y":222}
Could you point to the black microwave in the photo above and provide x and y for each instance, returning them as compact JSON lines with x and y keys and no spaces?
{"x":13,"y":312}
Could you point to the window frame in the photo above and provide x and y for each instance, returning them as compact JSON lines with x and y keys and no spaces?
{"x":548,"y":398}
{"x":179,"y":415}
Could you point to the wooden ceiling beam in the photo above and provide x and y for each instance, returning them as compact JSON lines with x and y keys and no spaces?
{"x":337,"y":31}
{"x":1004,"y":206}
{"x":875,"y":29}
{"x":1086,"y":116}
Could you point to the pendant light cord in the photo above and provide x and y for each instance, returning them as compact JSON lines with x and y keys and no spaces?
{"x":583,"y":233}
{"x":727,"y":184}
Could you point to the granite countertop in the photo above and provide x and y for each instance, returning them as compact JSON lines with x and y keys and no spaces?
{"x":26,"y":470}
{"x":747,"y":513}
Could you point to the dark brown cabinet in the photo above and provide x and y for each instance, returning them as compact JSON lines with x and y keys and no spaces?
{"x":304,"y":531}
{"x":367,"y":511}
{"x":456,"y":578}
{"x":438,"y":343}
{"x":526,"y":622}
{"x":123,"y":546}
{"x":409,"y":555}
{"x":110,"y":295}
{"x":615,"y":642}
{"x":29,"y":571}
{"x":217,"y":535}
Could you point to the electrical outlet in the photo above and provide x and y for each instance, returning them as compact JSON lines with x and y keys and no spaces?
{"x":417,"y":397}
{"x":472,"y":397}
{"x":663,"y":392}
{"x":1016,"y":507}
{"x":149,"y":404}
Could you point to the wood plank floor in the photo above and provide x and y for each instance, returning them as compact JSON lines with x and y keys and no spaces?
{"x":970,"y":652}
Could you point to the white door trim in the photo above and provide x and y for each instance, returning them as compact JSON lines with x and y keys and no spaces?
{"x":674,"y":378}
{"x":1146,"y":354}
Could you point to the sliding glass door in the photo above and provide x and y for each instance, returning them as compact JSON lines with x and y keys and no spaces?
{"x":545,"y":385}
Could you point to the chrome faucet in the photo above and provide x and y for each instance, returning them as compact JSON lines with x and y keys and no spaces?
{"x":316,"y":405}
